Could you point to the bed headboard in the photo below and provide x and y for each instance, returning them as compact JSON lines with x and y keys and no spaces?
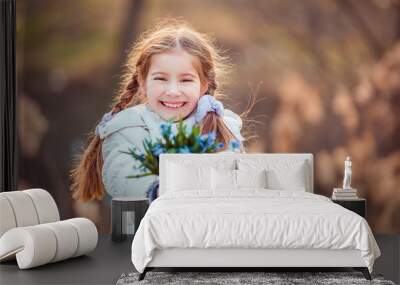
{"x":230,"y":161}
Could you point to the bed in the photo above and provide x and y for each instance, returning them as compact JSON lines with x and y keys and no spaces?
{"x":247,"y":210}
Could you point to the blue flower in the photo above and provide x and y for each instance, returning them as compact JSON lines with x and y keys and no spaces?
{"x":207,"y":140}
{"x":158,"y":149}
{"x":234,"y":144}
{"x":166,"y":129}
{"x":211,"y":137}
{"x":184,"y":149}
{"x":220,"y":145}
{"x":202,"y":141}
{"x":203,"y":137}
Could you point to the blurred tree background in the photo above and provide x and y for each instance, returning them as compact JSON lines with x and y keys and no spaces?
{"x":326,"y":73}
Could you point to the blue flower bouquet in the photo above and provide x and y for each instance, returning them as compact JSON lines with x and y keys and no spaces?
{"x":183,"y":141}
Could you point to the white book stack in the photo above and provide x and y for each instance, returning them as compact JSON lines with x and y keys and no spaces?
{"x":344,"y":194}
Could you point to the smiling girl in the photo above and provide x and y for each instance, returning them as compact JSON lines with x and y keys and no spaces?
{"x":172,"y":72}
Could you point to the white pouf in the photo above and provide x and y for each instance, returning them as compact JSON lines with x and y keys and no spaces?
{"x":26,"y":208}
{"x":41,"y":244}
{"x":31,"y":230}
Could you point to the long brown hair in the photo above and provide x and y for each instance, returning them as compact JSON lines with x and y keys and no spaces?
{"x":167,"y":35}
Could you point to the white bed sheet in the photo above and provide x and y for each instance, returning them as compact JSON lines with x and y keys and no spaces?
{"x":250,"y":218}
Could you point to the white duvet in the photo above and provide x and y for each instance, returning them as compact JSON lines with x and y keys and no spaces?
{"x":252,"y":218}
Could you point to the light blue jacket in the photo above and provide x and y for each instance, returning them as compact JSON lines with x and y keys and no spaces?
{"x":129,"y":128}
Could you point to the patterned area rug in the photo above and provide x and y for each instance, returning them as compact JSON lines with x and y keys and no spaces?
{"x":229,"y":278}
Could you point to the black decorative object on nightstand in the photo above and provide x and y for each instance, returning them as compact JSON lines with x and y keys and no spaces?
{"x":126,"y":214}
{"x":358,"y":206}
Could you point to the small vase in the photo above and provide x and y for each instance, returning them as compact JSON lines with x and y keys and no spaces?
{"x":152,"y":191}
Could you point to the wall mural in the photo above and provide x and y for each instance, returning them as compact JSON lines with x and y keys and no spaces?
{"x":325,"y":75}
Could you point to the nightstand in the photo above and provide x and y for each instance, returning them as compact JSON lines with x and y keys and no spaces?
{"x":358,"y":205}
{"x":126,"y":214}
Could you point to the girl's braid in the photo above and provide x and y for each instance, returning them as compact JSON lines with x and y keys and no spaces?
{"x":126,"y":97}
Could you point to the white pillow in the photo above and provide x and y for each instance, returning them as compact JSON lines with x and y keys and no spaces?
{"x":224,"y":178}
{"x":229,"y":179}
{"x":282,"y":174}
{"x":251,"y":178}
{"x":182,"y":177}
{"x":293,"y":179}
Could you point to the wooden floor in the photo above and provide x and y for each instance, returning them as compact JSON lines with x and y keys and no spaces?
{"x":110,"y":260}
